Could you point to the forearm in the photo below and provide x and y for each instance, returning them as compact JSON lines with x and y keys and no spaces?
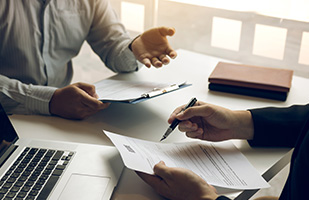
{"x":109,"y":39}
{"x":118,"y":57}
{"x":278,"y":127}
{"x":122,"y":58}
{"x":19,"y":98}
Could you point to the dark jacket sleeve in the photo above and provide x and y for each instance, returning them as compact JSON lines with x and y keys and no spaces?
{"x":278,"y":127}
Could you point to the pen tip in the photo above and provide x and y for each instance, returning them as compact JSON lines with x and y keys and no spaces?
{"x":162,"y":139}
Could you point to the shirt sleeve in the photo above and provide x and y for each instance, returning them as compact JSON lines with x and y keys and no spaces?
{"x":19,"y":98}
{"x":109,"y":39}
{"x":278,"y":127}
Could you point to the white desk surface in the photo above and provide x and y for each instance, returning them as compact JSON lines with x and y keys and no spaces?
{"x":148,"y":120}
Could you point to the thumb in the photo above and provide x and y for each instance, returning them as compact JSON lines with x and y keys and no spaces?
{"x":162,"y":170}
{"x":88,"y":88}
{"x":166,"y":31}
{"x":195,"y":111}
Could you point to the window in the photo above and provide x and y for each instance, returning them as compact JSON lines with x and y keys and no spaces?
{"x":287,"y":9}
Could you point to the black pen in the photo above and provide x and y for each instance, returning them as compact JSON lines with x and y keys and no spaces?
{"x":176,"y":121}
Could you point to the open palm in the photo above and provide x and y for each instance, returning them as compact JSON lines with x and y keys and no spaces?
{"x":152,"y":47}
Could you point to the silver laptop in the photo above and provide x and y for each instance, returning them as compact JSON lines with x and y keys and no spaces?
{"x":38,"y":169}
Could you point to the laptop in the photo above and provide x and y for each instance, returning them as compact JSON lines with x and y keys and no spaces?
{"x":43,"y":169}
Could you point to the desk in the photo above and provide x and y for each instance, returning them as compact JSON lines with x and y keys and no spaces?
{"x":148,"y":120}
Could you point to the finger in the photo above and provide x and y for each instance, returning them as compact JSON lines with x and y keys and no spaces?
{"x":96,"y":96}
{"x":194,"y":111}
{"x":88,"y":88}
{"x":195,"y":134}
{"x":156,"y":62}
{"x":166,"y":31}
{"x":88,"y":96}
{"x":213,"y":188}
{"x":187,"y":125}
{"x":101,"y":106}
{"x":171,"y":53}
{"x":146,"y":62}
{"x":93,"y":103}
{"x":175,"y":113}
{"x":164,"y":59}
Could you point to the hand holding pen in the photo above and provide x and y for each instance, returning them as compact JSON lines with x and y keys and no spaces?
{"x":176,"y":121}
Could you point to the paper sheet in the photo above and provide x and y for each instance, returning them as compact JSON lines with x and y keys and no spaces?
{"x":121,"y":91}
{"x":220,"y":164}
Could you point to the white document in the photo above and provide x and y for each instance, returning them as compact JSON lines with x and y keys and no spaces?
{"x":110,"y":90}
{"x":220,"y":164}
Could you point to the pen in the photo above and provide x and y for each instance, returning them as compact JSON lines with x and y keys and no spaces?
{"x":176,"y":121}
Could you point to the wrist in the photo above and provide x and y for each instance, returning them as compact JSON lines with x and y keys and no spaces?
{"x":131,"y":43}
{"x":52,"y":103}
{"x":244,"y":128}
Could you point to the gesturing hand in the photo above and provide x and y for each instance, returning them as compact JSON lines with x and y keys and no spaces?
{"x":152,"y":47}
{"x":76,"y":101}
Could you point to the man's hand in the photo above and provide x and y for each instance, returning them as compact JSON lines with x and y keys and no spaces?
{"x":178,"y":183}
{"x":76,"y":101}
{"x":152,"y":47}
{"x":213,"y":123}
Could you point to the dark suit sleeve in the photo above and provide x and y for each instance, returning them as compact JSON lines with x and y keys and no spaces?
{"x":278,"y":127}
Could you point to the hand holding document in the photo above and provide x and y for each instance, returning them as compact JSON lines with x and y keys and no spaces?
{"x":220,"y":164}
{"x":133,"y":92}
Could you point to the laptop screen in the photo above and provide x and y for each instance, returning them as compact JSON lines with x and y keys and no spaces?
{"x":7,"y":132}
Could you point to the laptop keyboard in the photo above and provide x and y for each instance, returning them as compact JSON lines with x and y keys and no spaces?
{"x":34,"y":174}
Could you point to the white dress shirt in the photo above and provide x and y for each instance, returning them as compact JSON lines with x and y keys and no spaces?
{"x":38,"y":39}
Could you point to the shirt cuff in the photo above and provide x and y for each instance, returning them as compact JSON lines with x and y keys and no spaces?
{"x":129,"y":57}
{"x":130,"y":45}
{"x":38,"y":98}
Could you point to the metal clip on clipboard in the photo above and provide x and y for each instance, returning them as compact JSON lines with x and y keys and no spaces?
{"x":159,"y":91}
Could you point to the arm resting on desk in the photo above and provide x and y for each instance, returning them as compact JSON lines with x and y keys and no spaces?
{"x":278,"y":127}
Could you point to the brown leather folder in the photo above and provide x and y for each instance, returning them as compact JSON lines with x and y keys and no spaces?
{"x":239,"y":78}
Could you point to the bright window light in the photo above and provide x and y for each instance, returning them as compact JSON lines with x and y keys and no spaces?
{"x":273,"y":38}
{"x":133,"y":16}
{"x":304,"y":49}
{"x":288,"y":9}
{"x":226,"y":33}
